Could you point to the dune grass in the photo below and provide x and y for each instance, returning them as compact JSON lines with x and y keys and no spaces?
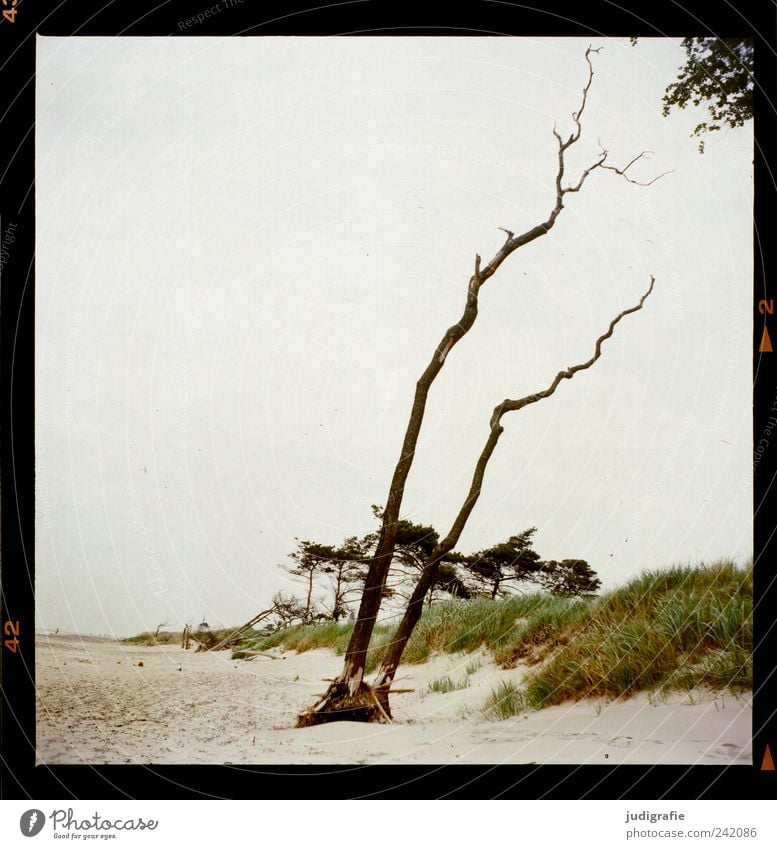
{"x":505,"y":627}
{"x":506,"y":700}
{"x":671,"y":630}
{"x":446,"y":684}
{"x":149,"y":638}
{"x":472,"y":666}
{"x":166,"y":638}
{"x":328,"y":635}
{"x":675,"y":629}
{"x":502,"y":626}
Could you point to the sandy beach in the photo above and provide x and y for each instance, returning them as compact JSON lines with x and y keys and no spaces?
{"x":100,"y":701}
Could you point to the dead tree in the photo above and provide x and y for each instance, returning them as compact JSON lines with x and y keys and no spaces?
{"x":412,"y":613}
{"x":349,"y":697}
{"x":287,"y":610}
{"x":222,"y":644}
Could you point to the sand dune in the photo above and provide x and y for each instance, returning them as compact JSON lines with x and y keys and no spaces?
{"x":96,"y":704}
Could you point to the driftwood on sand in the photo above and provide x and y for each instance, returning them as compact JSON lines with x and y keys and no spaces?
{"x":236,"y":633}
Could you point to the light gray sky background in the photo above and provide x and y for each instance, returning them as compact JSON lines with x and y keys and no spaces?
{"x":248,"y":250}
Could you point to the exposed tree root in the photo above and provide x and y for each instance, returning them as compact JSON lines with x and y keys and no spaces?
{"x":338,"y":705}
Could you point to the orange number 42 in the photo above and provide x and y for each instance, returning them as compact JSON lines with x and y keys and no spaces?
{"x":10,"y":13}
{"x":11,"y":629}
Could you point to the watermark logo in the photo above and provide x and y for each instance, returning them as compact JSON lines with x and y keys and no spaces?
{"x":67,"y":821}
{"x":219,"y":7}
{"x":31,"y":822}
{"x":9,"y":238}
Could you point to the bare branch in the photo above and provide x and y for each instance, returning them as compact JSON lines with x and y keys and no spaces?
{"x":639,"y":156}
{"x":622,"y":171}
{"x":380,"y":708}
{"x":514,"y":242}
{"x":567,"y":374}
{"x":584,"y":176}
{"x":577,"y":115}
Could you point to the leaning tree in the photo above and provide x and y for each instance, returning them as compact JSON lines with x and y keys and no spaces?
{"x":349,"y":696}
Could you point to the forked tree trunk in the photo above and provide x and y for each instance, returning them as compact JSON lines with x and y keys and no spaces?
{"x":349,"y":696}
{"x":414,"y":608}
{"x":412,"y":614}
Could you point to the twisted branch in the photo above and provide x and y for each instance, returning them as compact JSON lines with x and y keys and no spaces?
{"x":508,"y":406}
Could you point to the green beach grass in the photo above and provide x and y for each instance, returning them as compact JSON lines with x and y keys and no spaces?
{"x":166,"y":638}
{"x":675,"y":629}
{"x":671,"y":630}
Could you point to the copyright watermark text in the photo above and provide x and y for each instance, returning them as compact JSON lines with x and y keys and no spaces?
{"x":215,"y":9}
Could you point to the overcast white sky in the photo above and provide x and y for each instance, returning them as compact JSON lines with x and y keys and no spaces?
{"x":248,"y":250}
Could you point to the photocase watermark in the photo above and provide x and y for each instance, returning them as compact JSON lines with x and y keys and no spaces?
{"x":215,"y":9}
{"x":31,"y":822}
{"x":65,"y":824}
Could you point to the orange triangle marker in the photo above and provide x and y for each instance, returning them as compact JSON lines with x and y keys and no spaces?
{"x":768,"y":763}
{"x":766,"y":347}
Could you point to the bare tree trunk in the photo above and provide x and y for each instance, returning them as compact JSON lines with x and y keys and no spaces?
{"x":412,"y":614}
{"x":337,"y":604}
{"x":349,"y":697}
{"x":308,"y":603}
